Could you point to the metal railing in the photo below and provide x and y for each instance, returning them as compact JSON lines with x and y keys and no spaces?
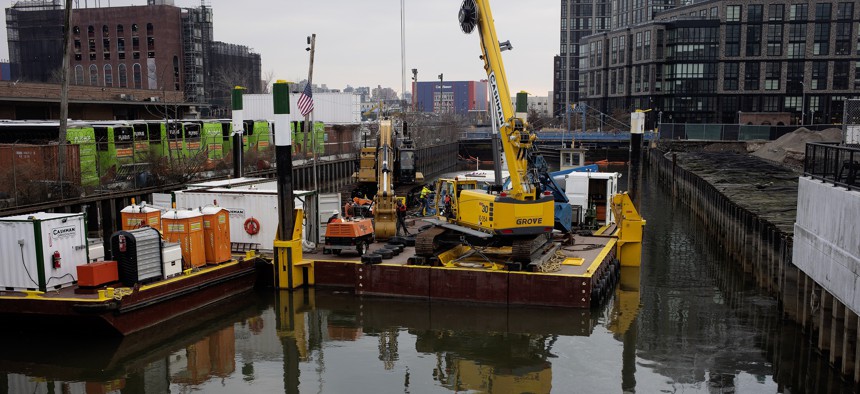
{"x":731,"y":132}
{"x":837,"y":164}
{"x":546,"y":136}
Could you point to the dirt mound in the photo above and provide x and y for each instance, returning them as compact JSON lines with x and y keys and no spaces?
{"x":791,"y":148}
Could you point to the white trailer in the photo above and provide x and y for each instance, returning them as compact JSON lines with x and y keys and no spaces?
{"x":258,"y":204}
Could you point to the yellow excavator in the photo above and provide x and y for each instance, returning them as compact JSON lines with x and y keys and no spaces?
{"x":384,"y":209}
{"x":520,"y":217}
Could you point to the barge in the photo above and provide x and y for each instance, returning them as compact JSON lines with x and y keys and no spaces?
{"x":121,"y":310}
{"x":53,"y":276}
{"x":581,"y":272}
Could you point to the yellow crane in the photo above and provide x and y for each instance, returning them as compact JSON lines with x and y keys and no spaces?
{"x":520,"y":217}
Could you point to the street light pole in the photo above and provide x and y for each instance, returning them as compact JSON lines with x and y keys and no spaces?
{"x":803,"y":104}
{"x":441,"y":88}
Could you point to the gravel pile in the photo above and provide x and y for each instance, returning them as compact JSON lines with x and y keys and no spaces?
{"x":790,"y":148}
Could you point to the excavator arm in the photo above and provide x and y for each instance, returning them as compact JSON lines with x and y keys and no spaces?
{"x":385,"y":216}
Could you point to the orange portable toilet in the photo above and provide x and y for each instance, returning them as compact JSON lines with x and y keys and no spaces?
{"x":186,"y":227}
{"x":216,"y":233}
{"x":136,"y":216}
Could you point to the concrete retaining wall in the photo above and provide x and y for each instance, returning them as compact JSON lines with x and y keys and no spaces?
{"x":827,"y":238}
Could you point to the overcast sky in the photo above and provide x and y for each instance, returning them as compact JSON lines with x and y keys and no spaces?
{"x":358,"y":41}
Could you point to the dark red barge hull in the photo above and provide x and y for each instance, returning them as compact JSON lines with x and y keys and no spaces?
{"x":148,"y":306}
{"x":464,"y":284}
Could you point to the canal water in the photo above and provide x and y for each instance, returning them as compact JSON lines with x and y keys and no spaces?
{"x":688,"y":322}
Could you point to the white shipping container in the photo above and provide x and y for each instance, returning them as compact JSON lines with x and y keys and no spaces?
{"x":28,"y":244}
{"x":329,"y":108}
{"x":577,"y":184}
{"x":258,"y":201}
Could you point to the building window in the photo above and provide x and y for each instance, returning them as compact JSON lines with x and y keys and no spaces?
{"x":134,"y":29}
{"x":150,"y":43}
{"x":79,"y":75}
{"x":840,"y":74}
{"x":772,"y":75}
{"x":646,"y":78}
{"x":136,"y":75}
{"x":857,"y":76}
{"x":798,"y":12}
{"x":754,"y":13}
{"x":646,"y":50}
{"x":821,"y":43}
{"x":797,"y":40}
{"x":639,"y":46}
{"x":135,"y":44}
{"x":106,"y":45}
{"x":753,"y":40}
{"x":730,"y":76}
{"x":771,"y":103}
{"x":845,"y":11}
{"x":622,"y":49}
{"x":715,"y":13}
{"x":794,"y":77}
{"x":843,"y":38}
{"x":120,"y":47}
{"x":752,"y":75}
{"x":106,"y":55}
{"x":612,"y":78}
{"x":776,"y":12}
{"x":105,"y":31}
{"x":91,"y":32}
{"x":733,"y":40}
{"x":122,"y":74}
{"x":793,"y":103}
{"x":108,"y":76}
{"x":149,"y":29}
{"x":822,"y":12}
{"x":613,"y":50}
{"x":76,"y":31}
{"x":733,"y":13}
{"x":774,"y":40}
{"x":819,"y":75}
{"x":796,"y":50}
{"x":94,"y":75}
{"x":120,"y":30}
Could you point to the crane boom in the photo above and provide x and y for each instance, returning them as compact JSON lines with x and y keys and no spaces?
{"x":515,"y":136}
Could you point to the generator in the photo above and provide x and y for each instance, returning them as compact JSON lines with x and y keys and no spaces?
{"x":138,"y":255}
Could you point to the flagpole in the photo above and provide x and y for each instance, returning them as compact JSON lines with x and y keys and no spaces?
{"x":309,"y":127}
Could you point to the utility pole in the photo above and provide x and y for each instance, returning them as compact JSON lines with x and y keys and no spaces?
{"x":64,"y":97}
{"x":414,"y":82}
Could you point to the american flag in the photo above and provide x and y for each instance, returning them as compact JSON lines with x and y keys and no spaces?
{"x":306,"y":101}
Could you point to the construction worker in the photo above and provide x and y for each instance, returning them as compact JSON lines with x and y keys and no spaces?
{"x":448,"y":211}
{"x":401,"y":218}
{"x":423,"y":199}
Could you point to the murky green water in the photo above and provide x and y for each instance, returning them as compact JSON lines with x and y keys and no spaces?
{"x":694,"y":326}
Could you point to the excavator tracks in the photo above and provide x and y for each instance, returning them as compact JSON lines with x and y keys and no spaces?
{"x":425,"y":241}
{"x":522,"y":249}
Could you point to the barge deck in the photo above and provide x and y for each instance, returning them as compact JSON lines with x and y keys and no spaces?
{"x":582,"y":275}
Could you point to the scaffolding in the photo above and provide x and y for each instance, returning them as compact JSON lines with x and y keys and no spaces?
{"x":35,"y":31}
{"x":196,"y":35}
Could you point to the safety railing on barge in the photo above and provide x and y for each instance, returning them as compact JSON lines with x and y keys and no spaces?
{"x":837,"y":164}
